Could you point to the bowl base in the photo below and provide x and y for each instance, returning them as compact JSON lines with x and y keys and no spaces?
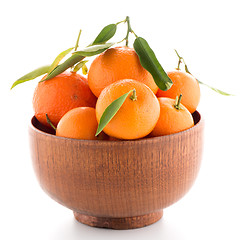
{"x":119,"y":223}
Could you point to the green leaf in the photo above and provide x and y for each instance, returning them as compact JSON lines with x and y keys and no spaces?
{"x":71,"y":61}
{"x":32,"y":75}
{"x":84,"y":69}
{"x":77,"y":57}
{"x":110,"y":111}
{"x":59,"y":58}
{"x":151,"y":64}
{"x":94,"y":49}
{"x":215,"y":89}
{"x":105,"y":34}
{"x":79,"y":65}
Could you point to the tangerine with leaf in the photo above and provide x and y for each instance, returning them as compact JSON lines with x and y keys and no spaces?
{"x":115,"y":64}
{"x":137,"y":114}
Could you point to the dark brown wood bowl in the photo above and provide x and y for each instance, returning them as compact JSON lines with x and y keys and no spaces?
{"x":117,"y":184}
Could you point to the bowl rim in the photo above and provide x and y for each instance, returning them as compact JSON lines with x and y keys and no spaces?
{"x":140,"y":140}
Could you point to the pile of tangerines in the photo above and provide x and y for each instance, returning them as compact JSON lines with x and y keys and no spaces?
{"x":126,"y":94}
{"x":74,"y":104}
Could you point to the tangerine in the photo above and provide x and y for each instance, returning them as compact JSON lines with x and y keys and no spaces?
{"x":80,"y":123}
{"x":185,"y":84}
{"x":115,"y":64}
{"x":174,"y":118}
{"x":60,"y":94}
{"x":137,"y":116}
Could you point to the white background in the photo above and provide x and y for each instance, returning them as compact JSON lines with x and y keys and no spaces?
{"x":206,"y":33}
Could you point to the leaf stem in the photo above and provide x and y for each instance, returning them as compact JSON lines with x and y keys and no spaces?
{"x":121,"y":41}
{"x":79,"y":34}
{"x":122,"y":21}
{"x":179,"y":60}
{"x":129,"y":30}
{"x":50,"y":123}
{"x":177,"y":102}
{"x":133,"y":97}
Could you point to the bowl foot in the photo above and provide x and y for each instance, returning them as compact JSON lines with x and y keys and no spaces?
{"x":119,"y":223}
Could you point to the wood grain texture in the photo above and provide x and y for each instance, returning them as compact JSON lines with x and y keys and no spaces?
{"x":119,"y":223}
{"x":116,"y":179}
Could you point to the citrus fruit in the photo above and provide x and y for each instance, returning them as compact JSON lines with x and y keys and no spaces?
{"x":60,"y":94}
{"x":137,"y":116}
{"x":80,"y":123}
{"x":173,"y":118}
{"x":115,"y":64}
{"x":185,"y":84}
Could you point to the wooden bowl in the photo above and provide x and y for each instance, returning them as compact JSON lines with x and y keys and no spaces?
{"x":117,"y":184}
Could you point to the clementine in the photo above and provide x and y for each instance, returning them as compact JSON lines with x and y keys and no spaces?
{"x":60,"y":94}
{"x":115,"y":64}
{"x":185,"y":84}
{"x":80,"y":123}
{"x":174,"y":118}
{"x":137,"y":116}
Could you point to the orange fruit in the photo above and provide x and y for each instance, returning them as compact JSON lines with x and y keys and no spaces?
{"x":80,"y":123}
{"x":137,"y":117}
{"x":185,"y":84}
{"x":172,"y":120}
{"x":115,"y":64}
{"x":60,"y":94}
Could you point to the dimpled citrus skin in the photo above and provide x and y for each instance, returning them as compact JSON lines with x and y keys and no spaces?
{"x":80,"y":123}
{"x":135,"y":119}
{"x":115,"y":64}
{"x":185,"y":84}
{"x":60,"y":94}
{"x":171,"y":120}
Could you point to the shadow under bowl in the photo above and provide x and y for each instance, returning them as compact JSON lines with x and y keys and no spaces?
{"x":117,"y":184}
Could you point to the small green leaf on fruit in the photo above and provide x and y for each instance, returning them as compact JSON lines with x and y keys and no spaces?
{"x":150,"y":63}
{"x":32,"y":75}
{"x":84,"y":69}
{"x":110,"y":111}
{"x":80,"y":65}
